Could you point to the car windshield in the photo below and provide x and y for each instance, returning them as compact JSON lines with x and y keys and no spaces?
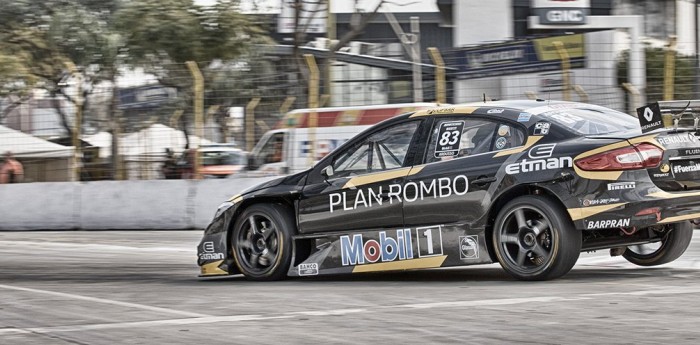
{"x":223,"y":158}
{"x":593,"y":120}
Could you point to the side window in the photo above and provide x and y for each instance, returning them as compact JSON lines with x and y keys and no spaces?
{"x":272,"y":151}
{"x":383,"y":150}
{"x":461,"y":137}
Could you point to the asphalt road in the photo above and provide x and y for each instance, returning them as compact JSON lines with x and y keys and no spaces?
{"x":141,"y":287}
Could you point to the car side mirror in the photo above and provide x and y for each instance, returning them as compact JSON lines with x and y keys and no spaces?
{"x":327,"y":172}
{"x":251,"y":163}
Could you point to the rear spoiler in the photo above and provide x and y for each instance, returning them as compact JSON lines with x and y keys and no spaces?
{"x":669,"y":115}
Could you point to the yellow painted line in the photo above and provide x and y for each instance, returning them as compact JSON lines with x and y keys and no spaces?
{"x":585,"y":212}
{"x":679,"y":218}
{"x":445,"y":110}
{"x":212,"y":269}
{"x":531,"y":140}
{"x":431,"y":262}
{"x":381,"y":176}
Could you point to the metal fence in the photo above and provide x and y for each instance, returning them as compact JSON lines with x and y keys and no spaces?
{"x":148,"y":128}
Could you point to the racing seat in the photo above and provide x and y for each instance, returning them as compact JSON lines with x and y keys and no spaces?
{"x":482,"y":140}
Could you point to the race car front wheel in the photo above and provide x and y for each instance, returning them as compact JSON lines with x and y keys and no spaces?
{"x":262,"y":242}
{"x":534,"y":240}
{"x":672,"y":245}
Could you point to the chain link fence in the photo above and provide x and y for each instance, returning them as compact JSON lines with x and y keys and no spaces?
{"x":146,"y":128}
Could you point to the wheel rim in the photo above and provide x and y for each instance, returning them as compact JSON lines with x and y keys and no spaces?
{"x":647,"y":249}
{"x":527,"y":240}
{"x":257,"y":244}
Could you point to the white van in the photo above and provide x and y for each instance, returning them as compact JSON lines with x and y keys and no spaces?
{"x":288,"y":150}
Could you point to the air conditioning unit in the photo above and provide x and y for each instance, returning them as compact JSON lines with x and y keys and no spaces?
{"x":361,"y":48}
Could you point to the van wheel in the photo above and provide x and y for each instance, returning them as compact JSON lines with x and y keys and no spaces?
{"x":534,"y":239}
{"x":670,"y":248}
{"x":262,"y":242}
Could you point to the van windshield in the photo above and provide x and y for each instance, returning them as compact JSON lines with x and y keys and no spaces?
{"x":223,"y":158}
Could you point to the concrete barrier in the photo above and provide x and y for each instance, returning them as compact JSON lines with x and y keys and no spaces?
{"x":101,"y":205}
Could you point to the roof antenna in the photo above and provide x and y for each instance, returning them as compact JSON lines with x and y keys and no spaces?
{"x":484,"y":97}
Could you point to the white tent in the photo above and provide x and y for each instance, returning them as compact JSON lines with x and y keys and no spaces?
{"x":144,"y":151}
{"x":103,"y":140}
{"x":153,"y":141}
{"x":23,"y":145}
{"x":42,"y":160}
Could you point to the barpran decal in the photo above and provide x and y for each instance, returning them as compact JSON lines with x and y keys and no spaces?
{"x":608,"y":223}
{"x":410,"y":192}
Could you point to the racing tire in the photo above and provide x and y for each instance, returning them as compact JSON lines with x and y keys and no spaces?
{"x":262,"y":242}
{"x":534,"y":239}
{"x":670,"y":248}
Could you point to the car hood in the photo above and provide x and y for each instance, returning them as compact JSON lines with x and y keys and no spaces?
{"x":294,"y":179}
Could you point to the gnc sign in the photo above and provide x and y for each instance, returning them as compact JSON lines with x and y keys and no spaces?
{"x":561,"y":11}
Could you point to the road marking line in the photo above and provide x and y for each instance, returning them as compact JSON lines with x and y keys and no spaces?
{"x":97,"y":247}
{"x":665,"y":291}
{"x":105,"y":301}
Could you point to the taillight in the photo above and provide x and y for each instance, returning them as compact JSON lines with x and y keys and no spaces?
{"x":639,"y":156}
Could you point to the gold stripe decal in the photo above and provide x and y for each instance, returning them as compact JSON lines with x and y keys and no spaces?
{"x":212,"y":269}
{"x":445,"y":110}
{"x":585,"y":212}
{"x":667,"y":195}
{"x":531,"y":140}
{"x":431,"y":262}
{"x":381,"y":176}
{"x":680,"y":218}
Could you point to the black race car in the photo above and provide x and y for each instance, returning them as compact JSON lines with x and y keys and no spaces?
{"x":529,"y":184}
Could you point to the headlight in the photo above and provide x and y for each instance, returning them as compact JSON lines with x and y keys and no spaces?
{"x":222,"y":208}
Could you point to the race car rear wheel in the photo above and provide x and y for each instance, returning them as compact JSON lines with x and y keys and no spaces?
{"x":534,"y":240}
{"x":262,"y":242}
{"x":670,"y":248}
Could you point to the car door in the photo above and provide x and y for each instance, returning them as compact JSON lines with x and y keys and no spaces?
{"x":460,"y":164}
{"x":363,"y":183}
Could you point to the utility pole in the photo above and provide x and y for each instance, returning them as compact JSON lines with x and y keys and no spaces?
{"x":410,"y":43}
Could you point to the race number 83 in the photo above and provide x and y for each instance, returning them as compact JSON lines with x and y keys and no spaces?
{"x":449,"y":138}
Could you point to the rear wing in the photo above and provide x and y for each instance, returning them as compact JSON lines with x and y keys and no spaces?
{"x":669,"y":115}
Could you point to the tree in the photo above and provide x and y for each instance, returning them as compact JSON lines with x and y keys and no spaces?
{"x":164,"y":34}
{"x":655,"y":60}
{"x":56,"y":39}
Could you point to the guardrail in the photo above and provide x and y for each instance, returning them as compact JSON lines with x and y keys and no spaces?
{"x":103,"y":205}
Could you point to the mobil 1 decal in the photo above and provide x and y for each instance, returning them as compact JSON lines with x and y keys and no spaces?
{"x":650,"y":117}
{"x":391,"y":245}
{"x":429,"y":240}
{"x":449,"y":138}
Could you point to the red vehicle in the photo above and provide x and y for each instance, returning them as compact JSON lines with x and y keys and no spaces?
{"x":218,"y":160}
